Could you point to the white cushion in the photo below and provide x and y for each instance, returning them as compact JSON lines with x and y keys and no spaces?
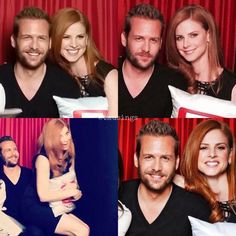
{"x":202,"y":228}
{"x":187,"y":105}
{"x":57,"y":184}
{"x":2,"y":98}
{"x":89,"y":107}
{"x":9,"y":226}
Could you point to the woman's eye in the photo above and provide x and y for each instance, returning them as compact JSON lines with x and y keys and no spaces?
{"x":178,"y":38}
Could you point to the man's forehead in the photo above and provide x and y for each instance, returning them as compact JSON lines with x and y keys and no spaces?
{"x":33,"y":25}
{"x":7,"y":143}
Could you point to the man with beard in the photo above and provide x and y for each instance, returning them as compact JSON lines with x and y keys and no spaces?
{"x":158,"y":206}
{"x":143,"y":84}
{"x":16,"y":179}
{"x":30,"y":83}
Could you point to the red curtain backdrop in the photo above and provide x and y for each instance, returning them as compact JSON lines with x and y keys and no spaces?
{"x":101,"y":13}
{"x":25,"y":131}
{"x":128,"y":130}
{"x":222,"y":10}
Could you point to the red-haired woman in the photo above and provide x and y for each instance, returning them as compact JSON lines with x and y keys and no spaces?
{"x":74,"y":50}
{"x":193,"y":47}
{"x":49,"y":202}
{"x":208,"y":167}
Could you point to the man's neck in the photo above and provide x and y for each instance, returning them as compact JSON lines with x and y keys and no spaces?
{"x":22,"y":73}
{"x":153,"y":202}
{"x":29,"y":80}
{"x":135,"y":78}
{"x":153,"y":196}
{"x":13,"y":173}
{"x":130,"y":71}
{"x":14,"y":169}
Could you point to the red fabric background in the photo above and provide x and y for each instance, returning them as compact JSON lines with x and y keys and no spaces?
{"x":101,"y":13}
{"x":222,"y":10}
{"x":128,"y":129}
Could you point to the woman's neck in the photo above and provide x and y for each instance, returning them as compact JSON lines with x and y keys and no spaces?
{"x":219,"y":185}
{"x":79,"y":68}
{"x":203,"y":72}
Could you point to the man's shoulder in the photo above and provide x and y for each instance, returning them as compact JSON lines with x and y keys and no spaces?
{"x":61,"y":82}
{"x":167,"y":71}
{"x":26,"y":171}
{"x":6,"y":69}
{"x":129,"y":186}
{"x":189,"y":197}
{"x":171,"y":76}
{"x":57,"y":71}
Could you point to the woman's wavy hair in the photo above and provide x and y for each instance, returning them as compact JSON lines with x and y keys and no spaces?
{"x":50,"y":140}
{"x":63,"y":19}
{"x":196,"y":181}
{"x":175,"y":60}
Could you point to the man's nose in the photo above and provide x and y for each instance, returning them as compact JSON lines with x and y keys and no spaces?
{"x":146,"y":46}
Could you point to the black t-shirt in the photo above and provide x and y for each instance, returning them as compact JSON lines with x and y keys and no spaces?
{"x":225,"y":84}
{"x":173,"y":220}
{"x":92,"y":88}
{"x":56,"y":82}
{"x":155,"y":99}
{"x":14,"y":192}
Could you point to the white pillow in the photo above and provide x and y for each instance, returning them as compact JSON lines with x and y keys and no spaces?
{"x":89,"y":107}
{"x":187,"y":105}
{"x":9,"y":226}
{"x":57,"y":184}
{"x":2,"y":98}
{"x":202,"y":228}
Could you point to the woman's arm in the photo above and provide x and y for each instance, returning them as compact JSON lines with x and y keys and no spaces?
{"x":111,"y":91}
{"x":233,"y":94}
{"x":42,"y":181}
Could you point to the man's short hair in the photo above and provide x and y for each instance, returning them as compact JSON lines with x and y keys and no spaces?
{"x":157,"y":128}
{"x":29,"y":13}
{"x":3,"y":139}
{"x":145,"y":11}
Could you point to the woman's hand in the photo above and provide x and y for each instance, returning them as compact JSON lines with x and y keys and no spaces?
{"x":72,"y":185}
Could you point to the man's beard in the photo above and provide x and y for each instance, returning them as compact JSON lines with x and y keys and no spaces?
{"x":24,"y":62}
{"x":9,"y":163}
{"x":161,"y":187}
{"x":134,"y":61}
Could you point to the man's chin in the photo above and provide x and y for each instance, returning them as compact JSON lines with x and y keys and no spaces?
{"x":29,"y":64}
{"x":142,"y":66}
{"x":11,"y":165}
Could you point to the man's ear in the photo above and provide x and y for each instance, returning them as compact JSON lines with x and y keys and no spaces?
{"x":13,"y":41}
{"x":135,"y":160}
{"x":160,"y":43}
{"x":50,"y":43}
{"x":177,"y":163}
{"x":123,"y":39}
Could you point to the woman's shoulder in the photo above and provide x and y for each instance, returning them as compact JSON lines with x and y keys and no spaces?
{"x":227,"y":74}
{"x":104,"y":68}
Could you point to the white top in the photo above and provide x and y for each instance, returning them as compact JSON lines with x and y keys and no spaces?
{"x":124,"y":220}
{"x":2,"y":194}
